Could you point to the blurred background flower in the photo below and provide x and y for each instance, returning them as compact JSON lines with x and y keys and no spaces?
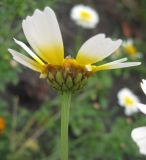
{"x":129,"y":100}
{"x":84,"y":16}
{"x":2,"y":125}
{"x":130,"y":49}
{"x":139,"y":134}
{"x":143,"y":85}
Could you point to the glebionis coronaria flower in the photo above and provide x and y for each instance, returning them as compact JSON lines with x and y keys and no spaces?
{"x":141,"y":106}
{"x":84,"y":16}
{"x":139,"y":137}
{"x":139,"y":134}
{"x":63,"y":73}
{"x":129,"y":47}
{"x":128,"y":100}
{"x":143,"y":85}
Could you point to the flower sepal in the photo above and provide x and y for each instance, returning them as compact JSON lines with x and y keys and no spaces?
{"x":68,"y":77}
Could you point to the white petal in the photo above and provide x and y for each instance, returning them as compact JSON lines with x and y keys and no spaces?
{"x":43,"y":75}
{"x":43,"y":34}
{"x":143,"y":150}
{"x":129,"y":110}
{"x":26,"y":61}
{"x":142,"y":107}
{"x":117,"y":61}
{"x":96,"y":48}
{"x":143,"y":85}
{"x":113,"y":63}
{"x":116,"y":64}
{"x":32,"y":54}
{"x":124,"y":65}
{"x":139,"y":136}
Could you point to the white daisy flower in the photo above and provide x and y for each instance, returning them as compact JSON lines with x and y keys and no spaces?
{"x":130,"y":48}
{"x":84,"y":16}
{"x":143,"y":85}
{"x":142,"y":107}
{"x":139,"y":136}
{"x":47,"y":57}
{"x":128,"y":100}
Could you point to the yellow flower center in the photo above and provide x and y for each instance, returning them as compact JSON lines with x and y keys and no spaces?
{"x":130,"y":49}
{"x":68,"y":76}
{"x":128,"y":101}
{"x":85,"y":15}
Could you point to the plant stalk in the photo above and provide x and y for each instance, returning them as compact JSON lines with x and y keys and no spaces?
{"x":65,"y":108}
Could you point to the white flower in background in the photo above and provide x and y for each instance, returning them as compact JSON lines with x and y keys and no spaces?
{"x":142,"y":107}
{"x":130,"y":48}
{"x":143,"y":85}
{"x":84,"y":16}
{"x":127,"y":99}
{"x":139,"y":136}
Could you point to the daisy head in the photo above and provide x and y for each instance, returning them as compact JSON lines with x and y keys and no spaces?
{"x":84,"y":16}
{"x":139,"y":137}
{"x":142,"y":107}
{"x":139,"y":134}
{"x":127,"y":99}
{"x":143,"y":85}
{"x":129,"y":48}
{"x":47,"y":57}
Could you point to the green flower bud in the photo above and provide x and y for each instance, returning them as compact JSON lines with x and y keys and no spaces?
{"x":68,"y":77}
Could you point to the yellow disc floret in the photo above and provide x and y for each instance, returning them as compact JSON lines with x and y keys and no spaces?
{"x":85,"y":15}
{"x":129,"y":101}
{"x":130,"y":49}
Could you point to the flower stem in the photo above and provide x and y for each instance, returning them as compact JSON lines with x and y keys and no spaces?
{"x":66,"y":100}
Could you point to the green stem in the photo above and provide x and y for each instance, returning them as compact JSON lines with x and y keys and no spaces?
{"x":66,"y":100}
